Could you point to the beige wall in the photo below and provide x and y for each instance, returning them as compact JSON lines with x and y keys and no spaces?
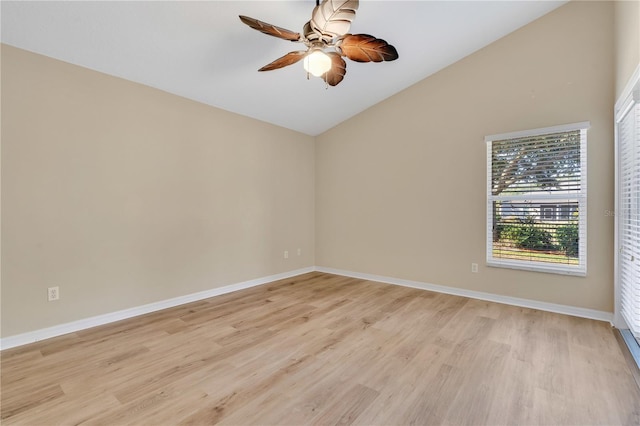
{"x":124,"y":195}
{"x":627,"y":41}
{"x":400,"y":188}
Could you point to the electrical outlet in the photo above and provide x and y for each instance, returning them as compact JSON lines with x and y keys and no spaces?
{"x":53,"y":293}
{"x":286,"y":254}
{"x":474,"y":267}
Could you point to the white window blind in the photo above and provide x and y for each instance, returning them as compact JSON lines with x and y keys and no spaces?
{"x":537,"y":199}
{"x":628,"y":211}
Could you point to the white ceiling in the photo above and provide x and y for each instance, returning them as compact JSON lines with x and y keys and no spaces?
{"x":200,"y":50}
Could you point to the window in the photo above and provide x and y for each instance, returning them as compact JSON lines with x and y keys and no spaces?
{"x":627,"y":214}
{"x":548,"y":212}
{"x":567,"y":212}
{"x":537,"y":199}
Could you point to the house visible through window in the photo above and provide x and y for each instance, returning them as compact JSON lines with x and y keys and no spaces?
{"x":536,"y":199}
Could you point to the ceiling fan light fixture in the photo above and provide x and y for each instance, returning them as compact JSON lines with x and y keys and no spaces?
{"x":328,"y":30}
{"x":317,"y":63}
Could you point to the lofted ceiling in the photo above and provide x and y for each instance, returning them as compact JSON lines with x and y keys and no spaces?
{"x":200,"y":50}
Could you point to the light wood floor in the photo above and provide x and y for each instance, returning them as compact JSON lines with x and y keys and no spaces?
{"x":324,"y":349}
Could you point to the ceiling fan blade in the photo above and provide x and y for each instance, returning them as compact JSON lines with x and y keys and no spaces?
{"x":286,"y":60}
{"x":309,"y":33}
{"x":366,"y":48}
{"x":271,"y":30}
{"x":338,"y":70}
{"x":332,"y":18}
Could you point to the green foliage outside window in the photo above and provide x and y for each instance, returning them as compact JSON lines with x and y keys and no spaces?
{"x":526,"y":234}
{"x":567,"y":236}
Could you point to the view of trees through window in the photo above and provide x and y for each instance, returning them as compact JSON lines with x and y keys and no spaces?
{"x":535,"y":188}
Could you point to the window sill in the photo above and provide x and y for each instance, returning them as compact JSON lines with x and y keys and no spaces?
{"x":530,"y":266}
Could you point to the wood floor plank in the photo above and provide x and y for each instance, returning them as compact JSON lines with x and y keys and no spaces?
{"x":13,"y":404}
{"x":325,"y":349}
{"x":349,"y":407}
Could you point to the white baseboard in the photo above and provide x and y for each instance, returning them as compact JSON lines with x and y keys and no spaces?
{"x":515,"y":301}
{"x":58,"y":330}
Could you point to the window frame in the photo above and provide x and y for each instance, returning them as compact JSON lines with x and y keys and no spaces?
{"x":532,"y":265}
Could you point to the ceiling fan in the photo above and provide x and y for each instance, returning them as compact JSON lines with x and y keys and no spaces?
{"x":327,"y":39}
